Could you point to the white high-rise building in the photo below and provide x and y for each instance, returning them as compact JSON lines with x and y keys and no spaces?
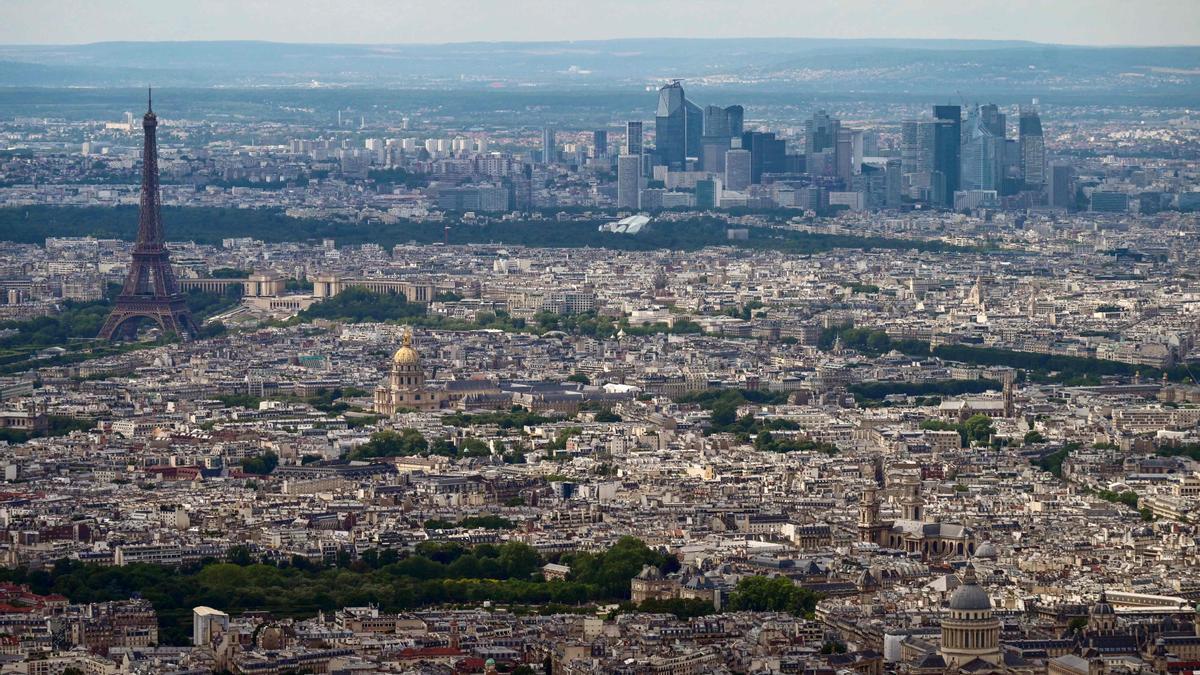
{"x":206,"y":622}
{"x":629,"y":181}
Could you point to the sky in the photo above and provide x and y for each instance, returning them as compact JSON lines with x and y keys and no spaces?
{"x":1093,"y":22}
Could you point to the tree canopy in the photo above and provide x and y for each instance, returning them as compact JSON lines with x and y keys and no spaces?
{"x":435,"y":573}
{"x":357,"y":304}
{"x":209,"y":225}
{"x":773,"y":594}
{"x":388,"y":443}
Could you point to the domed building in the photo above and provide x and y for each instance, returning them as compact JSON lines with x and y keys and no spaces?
{"x":405,"y":388}
{"x":986,"y":551}
{"x":971,"y":632}
{"x":1102,"y":617}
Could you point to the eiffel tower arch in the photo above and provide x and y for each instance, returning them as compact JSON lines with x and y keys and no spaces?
{"x":150,"y":293}
{"x":123,"y":325}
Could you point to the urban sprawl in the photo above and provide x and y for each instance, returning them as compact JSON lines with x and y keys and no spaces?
{"x":729,"y":392}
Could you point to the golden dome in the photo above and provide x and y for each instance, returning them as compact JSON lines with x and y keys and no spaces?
{"x":406,"y":355}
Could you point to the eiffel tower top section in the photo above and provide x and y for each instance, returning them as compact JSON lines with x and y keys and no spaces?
{"x":150,"y":236}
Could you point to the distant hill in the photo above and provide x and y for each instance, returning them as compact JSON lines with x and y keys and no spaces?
{"x":768,"y":64}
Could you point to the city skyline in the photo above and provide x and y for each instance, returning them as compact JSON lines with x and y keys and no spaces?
{"x":1104,"y":23}
{"x":635,"y":356}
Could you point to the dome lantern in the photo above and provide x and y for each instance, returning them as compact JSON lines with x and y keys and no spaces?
{"x":406,"y":355}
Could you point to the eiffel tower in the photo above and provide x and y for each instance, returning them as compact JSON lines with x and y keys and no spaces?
{"x":150,"y":292}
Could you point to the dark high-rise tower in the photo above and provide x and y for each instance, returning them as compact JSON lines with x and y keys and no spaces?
{"x":633,"y":138}
{"x":1033,"y":149}
{"x":549,"y":152}
{"x":767,"y":153}
{"x":150,"y":292}
{"x":1061,"y":190}
{"x":600,"y":143}
{"x":947,"y":153}
{"x":695,"y":128}
{"x":670,"y":127}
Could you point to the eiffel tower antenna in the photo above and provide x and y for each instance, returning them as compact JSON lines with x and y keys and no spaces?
{"x":150,"y":292}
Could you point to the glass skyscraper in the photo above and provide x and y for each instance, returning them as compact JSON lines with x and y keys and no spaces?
{"x":820,"y":139}
{"x":983,"y":149}
{"x":767,"y":153}
{"x":633,"y":138}
{"x":549,"y":153}
{"x":947,"y":153}
{"x":678,"y":127}
{"x":1033,"y":149}
{"x":600,"y":143}
{"x":721,"y":126}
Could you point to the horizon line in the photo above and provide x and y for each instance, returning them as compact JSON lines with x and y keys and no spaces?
{"x":965,"y":40}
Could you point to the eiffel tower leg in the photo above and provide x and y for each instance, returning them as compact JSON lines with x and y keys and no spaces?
{"x":180,"y":325}
{"x":106,"y":331}
{"x":109,"y":330}
{"x":168,"y":324}
{"x":189,"y":328}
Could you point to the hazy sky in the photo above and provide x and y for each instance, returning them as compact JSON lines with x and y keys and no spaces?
{"x":1136,"y":22}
